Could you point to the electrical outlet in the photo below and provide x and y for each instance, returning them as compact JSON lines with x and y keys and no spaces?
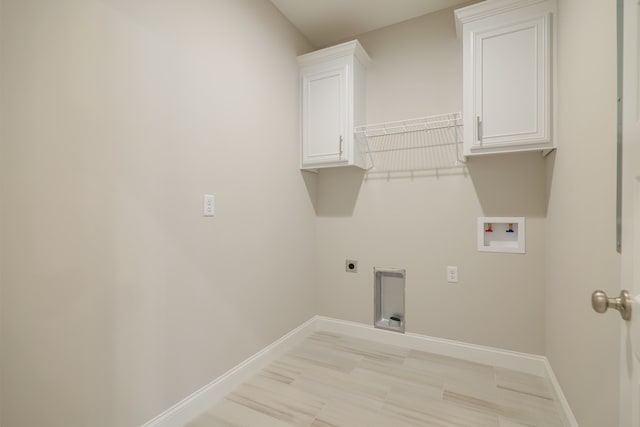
{"x":452,"y":274}
{"x":351,"y":266}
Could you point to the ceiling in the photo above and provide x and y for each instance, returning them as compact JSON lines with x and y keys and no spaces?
{"x":324,"y":22}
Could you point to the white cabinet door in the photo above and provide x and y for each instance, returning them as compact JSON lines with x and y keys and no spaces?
{"x":507,"y":67}
{"x":511,"y":84}
{"x":332,"y":86}
{"x":323,"y":120}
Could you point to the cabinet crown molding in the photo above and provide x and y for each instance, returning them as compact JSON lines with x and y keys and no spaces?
{"x":339,"y":51}
{"x":487,"y":8}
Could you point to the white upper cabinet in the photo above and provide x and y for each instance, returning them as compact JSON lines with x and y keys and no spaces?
{"x":332,"y":87}
{"x":508,"y":91}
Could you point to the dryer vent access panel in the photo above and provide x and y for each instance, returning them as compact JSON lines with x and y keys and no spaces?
{"x":389,"y":286}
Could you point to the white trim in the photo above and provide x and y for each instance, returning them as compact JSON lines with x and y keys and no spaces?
{"x":201,"y":400}
{"x":352,"y":47}
{"x":565,"y":409}
{"x":485,"y":9}
{"x":198,"y":402}
{"x":523,"y":362}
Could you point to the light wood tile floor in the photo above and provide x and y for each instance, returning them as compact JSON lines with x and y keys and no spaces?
{"x":333,"y":380}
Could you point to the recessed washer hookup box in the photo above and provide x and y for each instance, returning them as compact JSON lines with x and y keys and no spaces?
{"x":389,"y":286}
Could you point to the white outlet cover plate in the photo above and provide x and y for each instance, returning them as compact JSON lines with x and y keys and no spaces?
{"x":208,"y":205}
{"x":452,"y":274}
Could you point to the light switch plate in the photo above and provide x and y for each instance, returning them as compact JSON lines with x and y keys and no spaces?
{"x":208,"y":205}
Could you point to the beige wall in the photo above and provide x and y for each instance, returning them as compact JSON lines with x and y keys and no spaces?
{"x":427,"y":221}
{"x":118,"y":297}
{"x":581,"y":345}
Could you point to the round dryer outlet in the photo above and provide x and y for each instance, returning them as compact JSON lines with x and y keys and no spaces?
{"x":351,"y":266}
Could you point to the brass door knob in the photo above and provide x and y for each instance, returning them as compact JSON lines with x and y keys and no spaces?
{"x":601,"y":302}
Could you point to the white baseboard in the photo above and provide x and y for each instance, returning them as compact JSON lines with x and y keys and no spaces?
{"x":198,"y":402}
{"x":522,"y":362}
{"x":565,"y":409}
{"x":201,"y":400}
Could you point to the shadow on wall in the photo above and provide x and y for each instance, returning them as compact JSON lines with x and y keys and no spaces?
{"x":311,"y":182}
{"x":550,"y":167}
{"x":334,"y":191}
{"x":513,"y":184}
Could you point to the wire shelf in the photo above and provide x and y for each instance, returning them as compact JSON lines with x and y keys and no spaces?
{"x":410,"y":125}
{"x":430,"y":142}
